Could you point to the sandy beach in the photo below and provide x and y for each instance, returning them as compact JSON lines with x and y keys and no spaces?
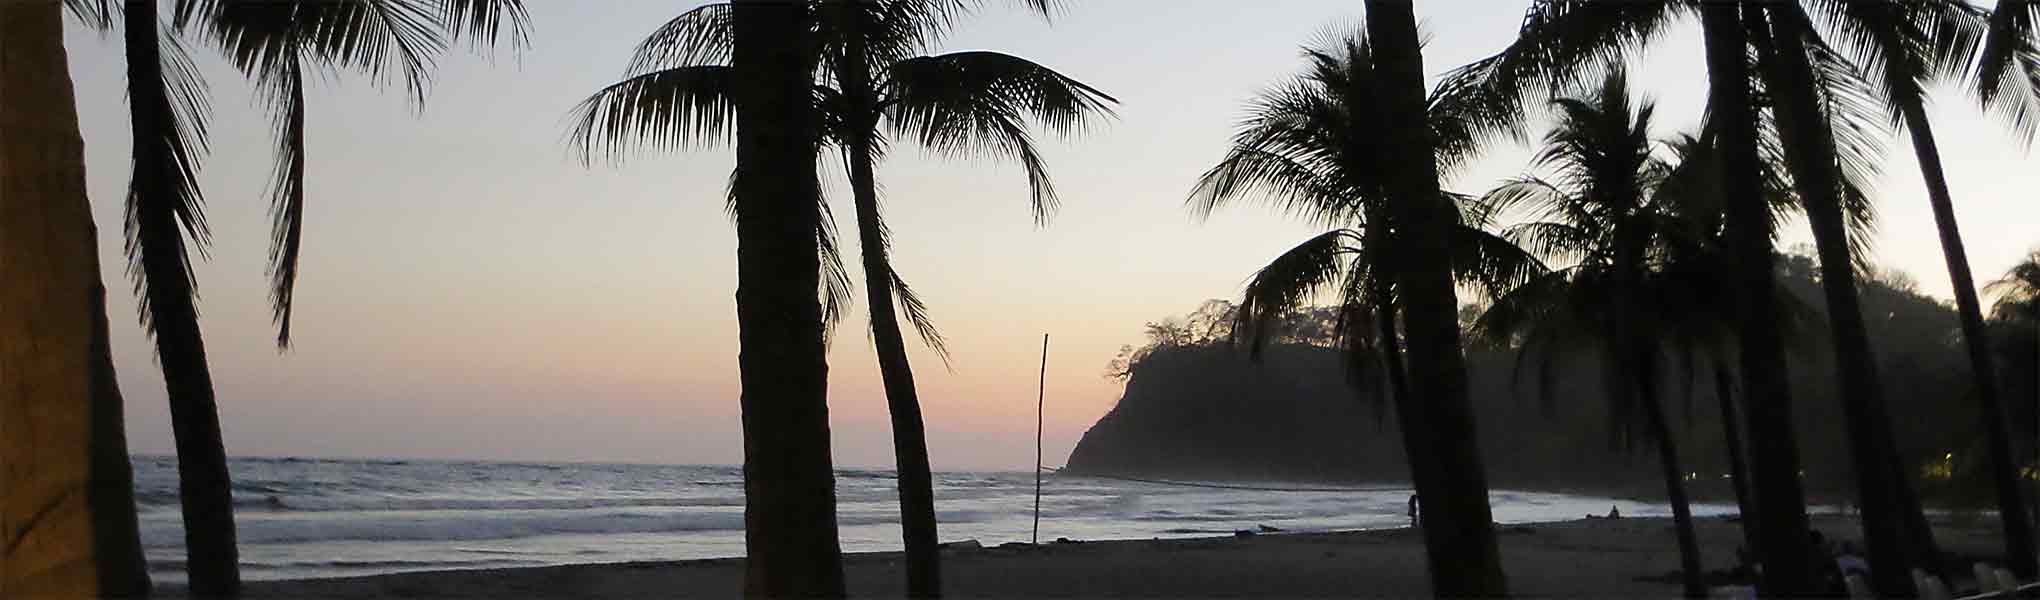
{"x":1624,"y":558}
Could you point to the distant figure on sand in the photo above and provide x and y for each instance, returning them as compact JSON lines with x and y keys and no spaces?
{"x":1415,"y":519}
{"x":1614,"y":512}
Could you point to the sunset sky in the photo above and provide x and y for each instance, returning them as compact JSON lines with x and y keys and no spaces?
{"x":470,"y":291}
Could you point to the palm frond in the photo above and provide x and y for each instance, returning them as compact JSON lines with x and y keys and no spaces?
{"x":1491,"y":262}
{"x":164,"y":202}
{"x":699,"y":37}
{"x":484,"y":22}
{"x":1560,"y":44}
{"x":835,"y":279}
{"x":672,"y":109}
{"x":1288,"y":283}
{"x":1288,"y":185}
{"x":287,"y":193}
{"x":96,"y":14}
{"x":977,"y":103}
{"x":2007,"y":71}
{"x":382,"y":39}
{"x":916,"y":312}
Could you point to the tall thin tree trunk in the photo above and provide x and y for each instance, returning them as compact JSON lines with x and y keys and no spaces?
{"x":1774,"y":452}
{"x":1416,"y":437}
{"x":1692,"y":574}
{"x":1810,"y":156}
{"x":1738,"y":464}
{"x":67,"y":511}
{"x":789,"y":482}
{"x":1459,"y":536}
{"x":910,"y":438}
{"x":205,"y":488}
{"x":2004,"y":469}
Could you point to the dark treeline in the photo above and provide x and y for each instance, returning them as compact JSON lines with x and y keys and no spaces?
{"x":1198,"y":407}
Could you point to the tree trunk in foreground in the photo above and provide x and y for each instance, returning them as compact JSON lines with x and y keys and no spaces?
{"x":205,"y":489}
{"x":2004,"y":469}
{"x":1459,"y":528}
{"x":1774,"y":451}
{"x":1738,"y":464}
{"x":1693,"y":574}
{"x":68,"y":511}
{"x":910,"y":438}
{"x":789,"y":482}
{"x":1810,"y":156}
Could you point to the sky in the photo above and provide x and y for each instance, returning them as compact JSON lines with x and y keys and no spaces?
{"x":469,"y":291}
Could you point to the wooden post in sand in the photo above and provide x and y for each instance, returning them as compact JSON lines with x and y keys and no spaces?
{"x":1040,"y":402}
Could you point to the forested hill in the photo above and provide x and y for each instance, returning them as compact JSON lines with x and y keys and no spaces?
{"x":1196,"y":407}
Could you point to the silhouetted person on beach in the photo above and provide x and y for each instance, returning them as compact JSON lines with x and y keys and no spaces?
{"x":1416,"y":519}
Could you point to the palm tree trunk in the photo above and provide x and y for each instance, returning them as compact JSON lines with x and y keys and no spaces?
{"x":789,"y":482}
{"x":1774,"y":452}
{"x":1691,"y":571}
{"x":1459,"y":534}
{"x":67,"y":515}
{"x":204,"y":486}
{"x":1809,"y":152}
{"x":2018,"y":526}
{"x":1738,"y":465}
{"x":1416,"y":438}
{"x":910,"y":438}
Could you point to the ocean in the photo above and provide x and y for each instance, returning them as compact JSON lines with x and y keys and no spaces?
{"x":305,"y":518}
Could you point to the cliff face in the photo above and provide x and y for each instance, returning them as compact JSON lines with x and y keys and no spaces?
{"x":1209,"y":413}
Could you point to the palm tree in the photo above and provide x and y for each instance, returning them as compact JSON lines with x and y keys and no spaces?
{"x":789,"y":483}
{"x":1599,"y":212}
{"x":961,"y":103}
{"x":1307,"y":148}
{"x":744,"y":72}
{"x":1817,"y":117}
{"x":1461,"y":544}
{"x":1563,"y":39}
{"x":275,"y":42}
{"x":1748,"y":226}
{"x":1911,"y":45}
{"x":69,"y":491}
{"x":871,"y":77}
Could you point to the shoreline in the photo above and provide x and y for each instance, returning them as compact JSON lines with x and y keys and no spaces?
{"x":1629,"y":557}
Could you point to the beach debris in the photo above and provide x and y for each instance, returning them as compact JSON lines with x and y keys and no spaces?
{"x":1267,"y":529}
{"x":1064,"y":540}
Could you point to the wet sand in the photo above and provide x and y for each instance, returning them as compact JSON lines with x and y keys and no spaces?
{"x":1598,"y":558}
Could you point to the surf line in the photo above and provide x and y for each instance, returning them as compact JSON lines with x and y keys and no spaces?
{"x":1223,"y":486}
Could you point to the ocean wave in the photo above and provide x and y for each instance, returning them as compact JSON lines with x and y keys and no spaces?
{"x":378,"y":565}
{"x":482,"y":525}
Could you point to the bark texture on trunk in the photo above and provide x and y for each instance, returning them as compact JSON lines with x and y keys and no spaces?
{"x":1810,"y":156}
{"x":67,"y":509}
{"x":1774,"y":451}
{"x":1459,"y":532}
{"x":789,"y":483}
{"x":205,"y":489}
{"x":2004,"y":469}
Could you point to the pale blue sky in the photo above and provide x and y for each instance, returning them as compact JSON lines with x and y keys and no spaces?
{"x":470,"y":291}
